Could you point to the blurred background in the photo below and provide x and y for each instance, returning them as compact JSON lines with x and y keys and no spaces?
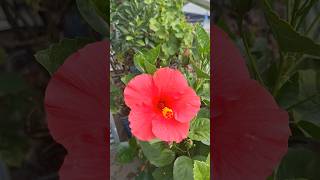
{"x":27,"y":151}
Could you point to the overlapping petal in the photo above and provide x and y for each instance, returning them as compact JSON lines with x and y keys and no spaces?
{"x":250,"y":130}
{"x":76,"y":106}
{"x":169,"y":88}
{"x":140,"y":92}
{"x":169,"y":129}
{"x":141,"y":123}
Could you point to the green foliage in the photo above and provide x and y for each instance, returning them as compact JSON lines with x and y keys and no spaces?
{"x":95,"y":13}
{"x":125,"y":79}
{"x":170,"y":27}
{"x":130,"y":26}
{"x":53,"y":57}
{"x":200,"y":130}
{"x":182,"y":168}
{"x":126,"y":152}
{"x":288,"y":39}
{"x":201,"y":170}
{"x":299,"y":163}
{"x":157,"y":153}
{"x":163,"y":173}
{"x":145,"y":61}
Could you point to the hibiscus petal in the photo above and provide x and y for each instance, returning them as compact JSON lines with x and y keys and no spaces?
{"x":140,"y":91}
{"x":141,"y":124}
{"x":169,"y":129}
{"x":250,"y":132}
{"x":76,"y":106}
{"x":170,"y":82}
{"x":187,"y":106}
{"x":250,"y":135}
{"x":228,"y":64}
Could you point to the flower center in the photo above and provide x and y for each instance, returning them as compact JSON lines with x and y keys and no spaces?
{"x":167,"y":113}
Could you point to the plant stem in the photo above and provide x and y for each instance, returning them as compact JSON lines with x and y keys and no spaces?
{"x":252,"y":63}
{"x":289,"y":10}
{"x":179,"y":149}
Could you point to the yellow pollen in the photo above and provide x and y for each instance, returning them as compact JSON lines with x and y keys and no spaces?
{"x":167,"y":113}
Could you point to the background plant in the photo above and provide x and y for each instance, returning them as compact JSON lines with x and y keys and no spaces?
{"x":160,"y":37}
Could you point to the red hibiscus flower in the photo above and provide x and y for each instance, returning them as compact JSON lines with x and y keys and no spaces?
{"x":76,"y":106}
{"x":162,"y":105}
{"x":250,"y":132}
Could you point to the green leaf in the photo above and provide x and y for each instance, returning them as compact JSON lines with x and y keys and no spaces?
{"x":53,"y":57}
{"x":200,"y":148}
{"x":152,"y":55}
{"x":208,"y":159}
{"x":90,"y":13}
{"x":288,"y":39}
{"x":150,"y":68}
{"x":199,"y":158}
{"x":203,"y":39}
{"x":129,"y":38}
{"x":299,"y":163}
{"x":138,"y":61}
{"x":157,"y":153}
{"x":200,"y":129}
{"x":163,"y":173}
{"x":200,"y":73}
{"x":204,"y":113}
{"x":311,"y":129}
{"x":125,"y":153}
{"x":11,"y":83}
{"x":182,"y":168}
{"x":103,"y":7}
{"x":126,"y":78}
{"x":201,"y":171}
{"x":309,"y":95}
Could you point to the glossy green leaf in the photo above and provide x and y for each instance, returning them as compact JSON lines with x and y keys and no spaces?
{"x":183,"y":168}
{"x":103,"y":7}
{"x":309,"y":96}
{"x":203,"y":39}
{"x":199,"y":158}
{"x":126,"y":78}
{"x":312,"y":130}
{"x":163,"y":173}
{"x":53,"y":57}
{"x":138,"y":61}
{"x":288,"y":39}
{"x":90,"y":13}
{"x":150,"y":68}
{"x":200,"y":129}
{"x":157,"y":153}
{"x":152,"y":55}
{"x":201,"y":171}
{"x":299,"y":163}
{"x":125,"y":153}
